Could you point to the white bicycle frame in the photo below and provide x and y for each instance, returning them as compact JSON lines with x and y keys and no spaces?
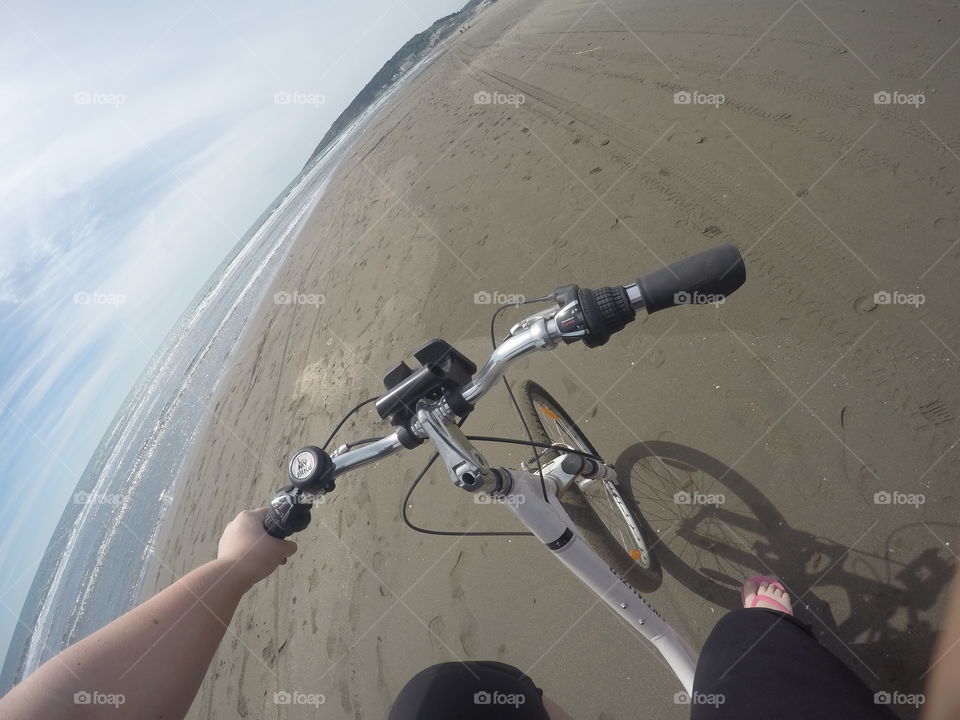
{"x":521,"y":491}
{"x":549,"y":523}
{"x":553,"y":527}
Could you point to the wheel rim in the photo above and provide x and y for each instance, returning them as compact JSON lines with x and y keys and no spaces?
{"x":718,"y":541}
{"x":603,"y":497}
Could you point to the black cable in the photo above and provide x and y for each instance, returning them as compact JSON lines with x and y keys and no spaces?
{"x":531,"y":442}
{"x":516,"y":405}
{"x":345,"y":418}
{"x":364,"y":441}
{"x":511,"y":441}
{"x":433,"y":458}
{"x":481,"y":438}
{"x":427,"y":531}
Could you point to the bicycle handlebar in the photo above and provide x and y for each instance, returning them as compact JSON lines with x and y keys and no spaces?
{"x":702,"y":279}
{"x":588,"y":315}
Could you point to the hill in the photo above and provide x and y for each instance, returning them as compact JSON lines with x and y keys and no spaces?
{"x":412,"y":52}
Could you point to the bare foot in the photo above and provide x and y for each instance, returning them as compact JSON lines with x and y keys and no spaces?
{"x":765,"y":593}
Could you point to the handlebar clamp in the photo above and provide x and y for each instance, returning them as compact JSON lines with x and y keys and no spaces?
{"x":442,"y":369}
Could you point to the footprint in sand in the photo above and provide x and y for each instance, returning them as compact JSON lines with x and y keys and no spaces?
{"x":336,"y":647}
{"x":268,"y":653}
{"x":379,"y":564}
{"x":865,"y":303}
{"x":655,"y":357}
{"x":469,"y":639}
{"x":437,"y":629}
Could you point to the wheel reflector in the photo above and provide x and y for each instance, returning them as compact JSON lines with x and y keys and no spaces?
{"x":549,"y":413}
{"x":635,"y":554}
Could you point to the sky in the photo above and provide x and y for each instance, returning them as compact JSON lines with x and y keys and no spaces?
{"x":138,"y":143}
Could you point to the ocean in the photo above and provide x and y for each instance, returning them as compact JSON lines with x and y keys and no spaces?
{"x":96,"y":563}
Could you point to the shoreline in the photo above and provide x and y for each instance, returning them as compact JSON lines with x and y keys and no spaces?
{"x":340,"y":147}
{"x":597,"y":176}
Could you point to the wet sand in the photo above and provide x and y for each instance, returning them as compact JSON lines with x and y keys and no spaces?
{"x":798,"y":400}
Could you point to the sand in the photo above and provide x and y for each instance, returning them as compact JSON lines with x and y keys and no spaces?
{"x":798,"y":399}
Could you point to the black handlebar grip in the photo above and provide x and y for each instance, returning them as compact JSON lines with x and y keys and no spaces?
{"x":605,"y":311}
{"x":702,"y":279}
{"x":286,"y":515}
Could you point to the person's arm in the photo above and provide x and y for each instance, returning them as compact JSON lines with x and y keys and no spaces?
{"x":943,"y":685}
{"x":150,"y":662}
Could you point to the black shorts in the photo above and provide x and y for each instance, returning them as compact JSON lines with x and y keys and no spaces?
{"x":476,"y":690}
{"x":763,"y":663}
{"x":756,"y":662}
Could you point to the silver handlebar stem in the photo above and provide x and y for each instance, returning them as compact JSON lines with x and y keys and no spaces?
{"x":467,"y":467}
{"x":537,"y":332}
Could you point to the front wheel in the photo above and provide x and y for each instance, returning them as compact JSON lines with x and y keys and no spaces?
{"x":604,"y":517}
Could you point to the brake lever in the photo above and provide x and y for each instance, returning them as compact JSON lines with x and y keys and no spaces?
{"x":566,"y":312}
{"x":564,"y":294}
{"x":525,"y":324}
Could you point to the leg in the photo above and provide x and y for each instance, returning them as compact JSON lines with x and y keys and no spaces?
{"x":762,"y":662}
{"x":469,"y":691}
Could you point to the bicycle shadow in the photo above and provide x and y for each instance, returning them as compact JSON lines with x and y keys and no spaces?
{"x":712,"y":548}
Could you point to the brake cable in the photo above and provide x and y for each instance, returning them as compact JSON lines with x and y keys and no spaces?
{"x":516,"y":405}
{"x":480,"y":438}
{"x":433,"y":458}
{"x":547,"y":446}
{"x":344,"y":420}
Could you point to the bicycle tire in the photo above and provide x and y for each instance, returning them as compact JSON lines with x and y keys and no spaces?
{"x":593,"y":513}
{"x":704,"y":547}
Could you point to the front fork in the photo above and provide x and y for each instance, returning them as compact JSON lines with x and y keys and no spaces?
{"x":469,"y":470}
{"x":549,"y":522}
{"x":544,"y":516}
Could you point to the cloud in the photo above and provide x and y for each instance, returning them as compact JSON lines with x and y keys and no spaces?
{"x":138,"y":142}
